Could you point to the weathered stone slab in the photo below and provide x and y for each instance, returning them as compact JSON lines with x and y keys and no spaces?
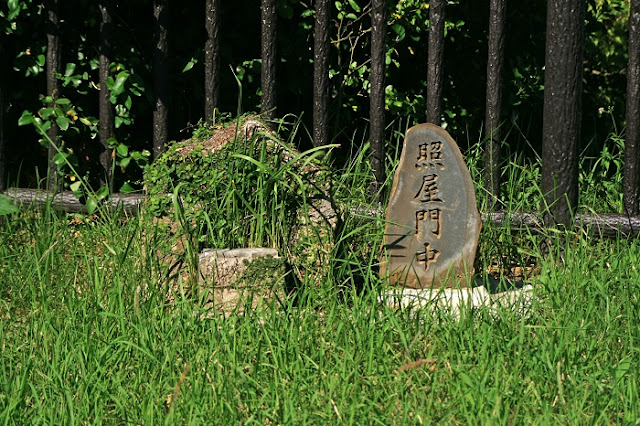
{"x":452,"y":301}
{"x":433,"y":223}
{"x":232,"y":279}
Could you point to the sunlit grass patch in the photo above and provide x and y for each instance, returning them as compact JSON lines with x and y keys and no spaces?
{"x":87,"y":334}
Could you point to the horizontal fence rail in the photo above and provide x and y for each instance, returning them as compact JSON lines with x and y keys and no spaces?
{"x":609,"y":225}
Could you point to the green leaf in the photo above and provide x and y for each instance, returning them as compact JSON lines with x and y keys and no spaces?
{"x":76,"y":188}
{"x":118,"y":86}
{"x":63,"y":101}
{"x":25,"y":118}
{"x":127,"y":188}
{"x":125,"y":162}
{"x":85,"y":121}
{"x":122,"y":150}
{"x":190,"y":64}
{"x":46,"y":113}
{"x":60,"y":158}
{"x":112,"y":143}
{"x":622,"y":368}
{"x":63,"y":122}
{"x":399,"y":30}
{"x":92,"y":205}
{"x":6,"y":206}
{"x":14,"y":8}
{"x":71,"y":67}
{"x":354,"y":5}
{"x":103,"y":192}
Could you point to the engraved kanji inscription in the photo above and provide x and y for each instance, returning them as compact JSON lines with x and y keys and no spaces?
{"x":429,"y":191}
{"x":430,"y":156}
{"x":432,"y":219}
{"x":431,"y":215}
{"x":428,"y":256}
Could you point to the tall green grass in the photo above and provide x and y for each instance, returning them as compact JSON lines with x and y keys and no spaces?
{"x":87,"y":335}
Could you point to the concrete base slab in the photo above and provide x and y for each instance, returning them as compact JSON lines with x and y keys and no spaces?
{"x":453,"y":301}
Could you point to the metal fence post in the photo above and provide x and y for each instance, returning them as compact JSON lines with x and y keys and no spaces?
{"x":268,"y":76}
{"x":377,"y":98}
{"x":106,"y":122}
{"x":631,"y":177}
{"x":211,"y":58}
{"x":562,"y":108}
{"x":434,"y":61}
{"x":492,"y":131}
{"x":321,"y":74}
{"x":160,"y":77}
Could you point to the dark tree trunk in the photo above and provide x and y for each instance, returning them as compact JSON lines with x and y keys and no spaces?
{"x":53,"y":67}
{"x":562,"y":108}
{"x":495,"y":66}
{"x":212,"y":58}
{"x":434,"y":61}
{"x":105,"y":107}
{"x":160,"y":77}
{"x":632,"y":140}
{"x":321,"y":74}
{"x":377,"y":99}
{"x":268,"y":80}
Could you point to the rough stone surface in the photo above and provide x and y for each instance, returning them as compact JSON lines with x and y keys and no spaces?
{"x":433,"y":223}
{"x":232,"y":280}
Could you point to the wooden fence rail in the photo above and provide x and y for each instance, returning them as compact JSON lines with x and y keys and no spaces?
{"x":603,"y":225}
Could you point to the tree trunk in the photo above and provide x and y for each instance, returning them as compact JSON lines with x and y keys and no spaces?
{"x":377,"y":98}
{"x":631,"y":177}
{"x":105,"y":108}
{"x":212,"y":58}
{"x":562,"y":108}
{"x":268,"y":78}
{"x":160,"y":77}
{"x":434,"y":61}
{"x":495,"y":66}
{"x":53,"y":67}
{"x":321,"y":74}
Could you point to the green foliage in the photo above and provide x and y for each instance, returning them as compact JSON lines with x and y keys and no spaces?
{"x":236,"y":192}
{"x":76,"y":106}
{"x":9,"y":22}
{"x":6,"y":206}
{"x":68,"y":119}
{"x":601,"y":177}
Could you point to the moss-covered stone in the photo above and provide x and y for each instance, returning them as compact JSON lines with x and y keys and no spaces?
{"x":239,"y":185}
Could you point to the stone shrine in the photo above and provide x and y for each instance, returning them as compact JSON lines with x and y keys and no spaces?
{"x":433,"y":223}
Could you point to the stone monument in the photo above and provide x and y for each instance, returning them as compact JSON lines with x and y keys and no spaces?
{"x":433,"y":223}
